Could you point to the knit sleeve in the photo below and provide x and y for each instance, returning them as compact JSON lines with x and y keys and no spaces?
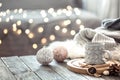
{"x":101,"y":38}
{"x":84,"y":36}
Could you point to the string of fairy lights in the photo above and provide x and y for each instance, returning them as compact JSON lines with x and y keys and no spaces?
{"x":6,"y":16}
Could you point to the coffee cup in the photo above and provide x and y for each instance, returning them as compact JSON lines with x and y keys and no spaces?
{"x":95,"y":53}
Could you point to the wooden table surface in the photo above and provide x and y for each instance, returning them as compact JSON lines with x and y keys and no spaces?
{"x":27,"y":68}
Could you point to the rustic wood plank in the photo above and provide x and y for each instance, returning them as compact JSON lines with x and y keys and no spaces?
{"x":93,"y":78}
{"x":111,"y":77}
{"x":5,"y":74}
{"x":60,"y":68}
{"x":31,"y":62}
{"x":48,"y":74}
{"x":64,"y":72}
{"x":15,"y":65}
{"x":19,"y":69}
{"x":22,"y":69}
{"x":27,"y":76}
{"x":44,"y":72}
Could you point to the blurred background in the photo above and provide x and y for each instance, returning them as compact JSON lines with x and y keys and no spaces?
{"x":28,"y":25}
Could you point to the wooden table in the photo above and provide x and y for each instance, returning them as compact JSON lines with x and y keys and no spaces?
{"x":27,"y":68}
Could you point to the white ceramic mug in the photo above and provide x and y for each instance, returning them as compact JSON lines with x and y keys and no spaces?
{"x":94,"y":53}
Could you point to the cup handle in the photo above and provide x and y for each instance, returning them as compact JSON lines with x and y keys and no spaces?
{"x":108,"y":56}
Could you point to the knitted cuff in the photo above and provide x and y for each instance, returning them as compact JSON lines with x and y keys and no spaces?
{"x":109,"y":42}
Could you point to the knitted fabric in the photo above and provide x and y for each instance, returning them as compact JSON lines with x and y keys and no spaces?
{"x":84,"y":36}
{"x":115,"y":54}
{"x":90,"y":35}
{"x":111,"y":24}
{"x":109,"y":32}
{"x":109,"y":42}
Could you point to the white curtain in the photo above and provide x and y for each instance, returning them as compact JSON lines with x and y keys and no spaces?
{"x":109,"y":9}
{"x":103,"y":8}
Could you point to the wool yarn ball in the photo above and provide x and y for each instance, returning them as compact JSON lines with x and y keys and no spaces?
{"x":60,"y":53}
{"x":44,"y":56}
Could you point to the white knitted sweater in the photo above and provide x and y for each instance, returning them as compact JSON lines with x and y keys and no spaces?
{"x":98,"y":35}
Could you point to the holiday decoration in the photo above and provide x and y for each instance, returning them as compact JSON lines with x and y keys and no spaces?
{"x":60,"y":53}
{"x":44,"y":56}
{"x":110,"y":68}
{"x":74,"y":50}
{"x":61,"y":27}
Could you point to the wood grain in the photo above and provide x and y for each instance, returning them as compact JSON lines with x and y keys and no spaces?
{"x":19,"y":69}
{"x":28,"y":68}
{"x":5,"y":74}
{"x":27,"y":76}
{"x":44,"y":72}
{"x":64,"y":72}
{"x":15,"y":65}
